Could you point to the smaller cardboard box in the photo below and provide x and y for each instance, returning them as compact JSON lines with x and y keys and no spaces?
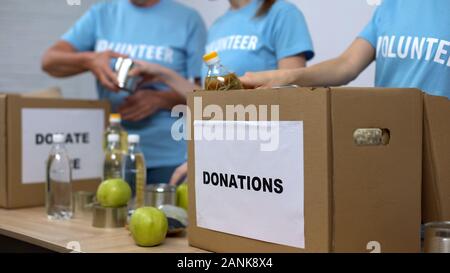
{"x":340,"y":172}
{"x":436,"y":163}
{"x":26,"y":128}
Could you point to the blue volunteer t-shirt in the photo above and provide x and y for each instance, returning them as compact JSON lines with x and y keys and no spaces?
{"x":412,"y":42}
{"x":169,"y":34}
{"x":248,"y":43}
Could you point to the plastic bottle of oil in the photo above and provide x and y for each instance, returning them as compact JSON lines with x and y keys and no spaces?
{"x":113,"y":161}
{"x":219,"y":77}
{"x":135,"y":172}
{"x":115,"y":128}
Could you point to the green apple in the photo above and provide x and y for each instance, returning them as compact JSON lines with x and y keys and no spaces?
{"x":113,"y":193}
{"x":148,"y":226}
{"x":182,"y":196}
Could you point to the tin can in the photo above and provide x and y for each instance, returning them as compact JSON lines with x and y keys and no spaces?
{"x":106,"y":217}
{"x":437,"y":237}
{"x":83,"y":202}
{"x":123,"y":66}
{"x":160,"y":194}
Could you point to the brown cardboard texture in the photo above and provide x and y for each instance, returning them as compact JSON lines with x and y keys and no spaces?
{"x":436,"y":164}
{"x":2,"y":150}
{"x":51,"y":92}
{"x":354,"y":196}
{"x":13,"y":193}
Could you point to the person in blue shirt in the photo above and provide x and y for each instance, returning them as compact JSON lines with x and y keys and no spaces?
{"x":256,"y":35}
{"x":408,"y":39}
{"x":253,"y":35}
{"x":144,"y":30}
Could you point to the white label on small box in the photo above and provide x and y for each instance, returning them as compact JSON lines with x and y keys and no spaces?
{"x":83,"y":129}
{"x":245,"y":189}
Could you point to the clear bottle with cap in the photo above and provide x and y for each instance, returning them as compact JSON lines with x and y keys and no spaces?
{"x":135,"y":173}
{"x":113,"y":160}
{"x":218,"y":76}
{"x":115,"y":128}
{"x":58,"y":190}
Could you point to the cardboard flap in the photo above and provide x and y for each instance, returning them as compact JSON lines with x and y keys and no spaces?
{"x":51,"y":92}
{"x":376,"y":184}
{"x":436,"y":166}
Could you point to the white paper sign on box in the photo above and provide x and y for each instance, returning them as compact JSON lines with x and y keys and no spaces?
{"x":84,"y":130}
{"x":243,"y":190}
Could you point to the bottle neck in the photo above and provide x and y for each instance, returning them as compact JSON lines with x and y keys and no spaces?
{"x":213,"y":62}
{"x":215,"y":69}
{"x":133,"y":148}
{"x":114,"y":123}
{"x":213,"y":66}
{"x":113,"y":145}
{"x":58,"y":146}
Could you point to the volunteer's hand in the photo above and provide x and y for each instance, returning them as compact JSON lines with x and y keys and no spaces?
{"x":141,"y":104}
{"x":150,"y":72}
{"x":100,"y":66}
{"x":267,"y":79}
{"x":178,"y":174}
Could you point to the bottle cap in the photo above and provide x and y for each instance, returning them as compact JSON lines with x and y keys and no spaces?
{"x":115,"y":118}
{"x":58,"y":138}
{"x":211,"y":57}
{"x":113,"y":138}
{"x":133,"y":138}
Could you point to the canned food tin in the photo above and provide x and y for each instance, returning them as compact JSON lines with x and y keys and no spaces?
{"x":437,"y":237}
{"x":160,"y":194}
{"x":83,"y":202}
{"x":123,"y":66}
{"x":106,"y":217}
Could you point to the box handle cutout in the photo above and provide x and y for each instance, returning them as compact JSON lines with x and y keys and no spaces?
{"x":285,"y":86}
{"x":371,"y":136}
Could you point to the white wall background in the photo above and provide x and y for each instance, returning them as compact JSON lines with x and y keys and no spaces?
{"x":27,"y":28}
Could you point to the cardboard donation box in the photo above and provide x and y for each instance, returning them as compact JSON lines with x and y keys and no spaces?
{"x":436,"y":163}
{"x":305,"y":170}
{"x":26,"y":128}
